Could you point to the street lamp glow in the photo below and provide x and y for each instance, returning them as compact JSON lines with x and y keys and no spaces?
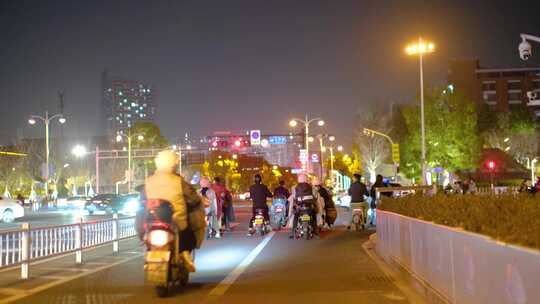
{"x":274,"y":167}
{"x":340,"y":148}
{"x":234,"y":156}
{"x":323,"y":149}
{"x":174,"y":147}
{"x":293,"y":123}
{"x":320,"y":123}
{"x":79,"y":151}
{"x":332,"y":138}
{"x":188,"y":147}
{"x":62,"y":120}
{"x":32,"y":121}
{"x":118,"y":138}
{"x":140,"y":137}
{"x":311,"y":139}
{"x":420,"y":47}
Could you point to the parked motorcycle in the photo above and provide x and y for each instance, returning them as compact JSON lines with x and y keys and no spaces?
{"x":260,"y":224}
{"x":303,"y":227}
{"x":278,"y":213}
{"x":163,"y":264}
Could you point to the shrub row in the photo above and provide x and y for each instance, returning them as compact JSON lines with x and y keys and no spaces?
{"x":511,"y":218}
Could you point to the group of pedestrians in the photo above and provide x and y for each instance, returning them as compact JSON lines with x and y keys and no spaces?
{"x":220,"y":210}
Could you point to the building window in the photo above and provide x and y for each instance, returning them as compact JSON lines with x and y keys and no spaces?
{"x":514,"y":85}
{"x":489,"y":85}
{"x":514,"y":97}
{"x":490,"y":97}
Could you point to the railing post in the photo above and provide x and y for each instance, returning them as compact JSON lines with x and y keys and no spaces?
{"x":115,"y":232}
{"x":25,"y":250}
{"x":79,"y":242}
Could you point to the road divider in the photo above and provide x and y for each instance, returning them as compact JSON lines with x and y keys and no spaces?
{"x":27,"y":245}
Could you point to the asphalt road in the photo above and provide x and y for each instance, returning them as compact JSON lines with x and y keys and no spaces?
{"x":235,"y":269}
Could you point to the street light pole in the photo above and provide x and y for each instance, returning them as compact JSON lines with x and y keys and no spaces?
{"x":306,"y":122}
{"x":46,"y":121}
{"x":419,"y":48}
{"x":422,"y":118}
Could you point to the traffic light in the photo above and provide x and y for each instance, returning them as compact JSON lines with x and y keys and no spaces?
{"x":395,"y":153}
{"x":491,"y":165}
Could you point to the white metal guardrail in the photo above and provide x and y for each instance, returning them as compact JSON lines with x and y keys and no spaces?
{"x":463,"y":267}
{"x":27,"y":245}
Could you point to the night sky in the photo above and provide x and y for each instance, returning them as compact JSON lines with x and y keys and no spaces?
{"x":240,"y":65}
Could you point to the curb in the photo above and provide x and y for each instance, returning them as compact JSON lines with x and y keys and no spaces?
{"x":420,"y":286}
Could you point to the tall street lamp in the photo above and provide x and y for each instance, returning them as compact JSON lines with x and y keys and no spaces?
{"x":321,"y":138}
{"x":80,"y":151}
{"x":420,"y":48}
{"x":306,"y":122}
{"x":180,"y":148}
{"x":129,"y":137}
{"x":46,"y":121}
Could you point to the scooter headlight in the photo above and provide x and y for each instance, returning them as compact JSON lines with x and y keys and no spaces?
{"x":159,"y":238}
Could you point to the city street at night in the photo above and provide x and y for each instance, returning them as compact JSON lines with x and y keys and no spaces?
{"x":284,"y":271}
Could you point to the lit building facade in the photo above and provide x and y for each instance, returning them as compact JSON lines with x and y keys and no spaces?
{"x":126,"y":102}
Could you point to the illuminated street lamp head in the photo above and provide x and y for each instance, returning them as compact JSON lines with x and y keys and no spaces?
{"x":332,"y":138}
{"x":323,"y":149}
{"x":293,"y":123}
{"x":235,"y":156}
{"x":420,"y":47}
{"x":274,"y":167}
{"x":32,"y":121}
{"x":62,"y":120}
{"x":188,"y":147}
{"x":118,"y":138}
{"x":140,"y":137}
{"x":311,"y":139}
{"x":320,"y":123}
{"x":79,"y":151}
{"x":340,"y":148}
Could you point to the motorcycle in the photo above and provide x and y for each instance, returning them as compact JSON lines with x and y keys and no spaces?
{"x":164,"y":265}
{"x":279,"y":219}
{"x":303,"y":227}
{"x":259,"y":224}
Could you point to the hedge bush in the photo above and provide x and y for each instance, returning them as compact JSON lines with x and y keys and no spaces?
{"x":511,"y":218}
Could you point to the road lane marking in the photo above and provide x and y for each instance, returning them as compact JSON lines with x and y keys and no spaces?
{"x":7,"y":290}
{"x":67,"y":279}
{"x":222,"y":287}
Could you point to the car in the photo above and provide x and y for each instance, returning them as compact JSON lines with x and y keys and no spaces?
{"x":127,"y":204}
{"x":10,"y":210}
{"x":72,"y":202}
{"x":101,"y":202}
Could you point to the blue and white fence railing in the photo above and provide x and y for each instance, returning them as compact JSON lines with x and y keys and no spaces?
{"x":27,"y":245}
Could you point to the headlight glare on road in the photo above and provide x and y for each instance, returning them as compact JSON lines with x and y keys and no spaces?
{"x":159,"y":238}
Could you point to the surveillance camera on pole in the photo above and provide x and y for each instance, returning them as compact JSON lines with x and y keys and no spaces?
{"x":525,"y":48}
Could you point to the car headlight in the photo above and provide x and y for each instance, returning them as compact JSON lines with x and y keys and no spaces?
{"x":159,"y":238}
{"x":131,"y":206}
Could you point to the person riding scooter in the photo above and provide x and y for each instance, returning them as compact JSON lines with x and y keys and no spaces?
{"x":303,"y":194}
{"x":259,"y":193}
{"x":187,"y":206}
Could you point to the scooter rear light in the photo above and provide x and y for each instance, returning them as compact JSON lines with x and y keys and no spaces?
{"x":159,"y":238}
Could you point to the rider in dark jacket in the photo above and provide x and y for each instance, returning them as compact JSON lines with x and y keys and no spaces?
{"x":259,"y":193}
{"x":282,"y":192}
{"x":304,"y":194}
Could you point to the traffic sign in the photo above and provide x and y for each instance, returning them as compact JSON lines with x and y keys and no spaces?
{"x":303,"y":156}
{"x":314,"y":158}
{"x":277,"y":140}
{"x":395,"y":153}
{"x":255,"y":137}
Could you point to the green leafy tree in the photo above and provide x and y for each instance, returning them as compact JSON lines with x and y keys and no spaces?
{"x":452,"y":140}
{"x":153,"y":139}
{"x":512,"y":131}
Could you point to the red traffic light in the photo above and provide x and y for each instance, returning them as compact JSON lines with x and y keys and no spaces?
{"x":491,"y":164}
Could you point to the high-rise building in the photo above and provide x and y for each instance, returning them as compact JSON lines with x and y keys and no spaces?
{"x":124,"y":103}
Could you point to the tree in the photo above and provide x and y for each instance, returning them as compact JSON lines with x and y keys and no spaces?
{"x":452,"y":140}
{"x":152,"y":136}
{"x":372,"y":150}
{"x":514,"y":132}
